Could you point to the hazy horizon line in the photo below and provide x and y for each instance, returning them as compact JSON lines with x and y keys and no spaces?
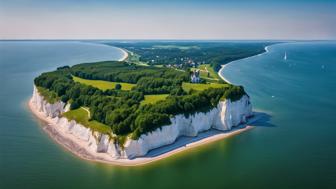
{"x":135,"y":39}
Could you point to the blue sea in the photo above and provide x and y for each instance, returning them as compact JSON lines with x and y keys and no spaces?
{"x":298,"y":94}
{"x":292,"y":146}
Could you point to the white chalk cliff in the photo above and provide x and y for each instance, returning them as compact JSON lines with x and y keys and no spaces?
{"x":226,"y":115}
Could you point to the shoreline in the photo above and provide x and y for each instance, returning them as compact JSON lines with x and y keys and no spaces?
{"x":77,"y":147}
{"x":224,"y":65}
{"x":125,"y":56}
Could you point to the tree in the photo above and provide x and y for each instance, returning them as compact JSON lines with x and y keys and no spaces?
{"x":74,"y":105}
{"x":146,"y":122}
{"x":64,"y":98}
{"x":118,"y":86}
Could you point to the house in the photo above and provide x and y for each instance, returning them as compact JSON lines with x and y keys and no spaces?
{"x":195,"y":76}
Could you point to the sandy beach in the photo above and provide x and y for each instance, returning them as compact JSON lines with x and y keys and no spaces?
{"x":78,"y":147}
{"x":223,"y":66}
{"x":125,"y":55}
{"x":221,"y":76}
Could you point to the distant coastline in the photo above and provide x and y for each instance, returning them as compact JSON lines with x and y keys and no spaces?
{"x":125,"y":55}
{"x":223,"y":66}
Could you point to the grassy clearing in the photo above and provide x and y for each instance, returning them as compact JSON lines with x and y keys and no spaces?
{"x":50,"y":96}
{"x":80,"y":115}
{"x":205,"y":69}
{"x":212,"y":72}
{"x":150,"y":99}
{"x":200,"y":86}
{"x":104,"y":85}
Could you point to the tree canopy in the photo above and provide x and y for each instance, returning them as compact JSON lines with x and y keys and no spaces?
{"x":122,"y":110}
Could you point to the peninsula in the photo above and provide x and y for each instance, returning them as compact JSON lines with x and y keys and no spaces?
{"x":159,"y":100}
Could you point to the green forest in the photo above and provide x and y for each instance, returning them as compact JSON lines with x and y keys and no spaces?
{"x":122,"y":110}
{"x":142,"y":93}
{"x":215,"y":53}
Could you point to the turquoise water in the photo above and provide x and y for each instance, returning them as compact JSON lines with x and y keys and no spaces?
{"x":292,"y":147}
{"x":299,"y":94}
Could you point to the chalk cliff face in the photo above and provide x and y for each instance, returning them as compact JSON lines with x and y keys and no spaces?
{"x":226,"y":115}
{"x":50,"y":110}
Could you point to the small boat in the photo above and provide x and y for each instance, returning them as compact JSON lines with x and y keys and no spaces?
{"x":285,"y":57}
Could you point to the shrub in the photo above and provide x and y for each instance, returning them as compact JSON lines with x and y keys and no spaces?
{"x":118,"y":86}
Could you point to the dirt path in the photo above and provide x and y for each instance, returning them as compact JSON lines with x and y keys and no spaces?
{"x":88,"y":111}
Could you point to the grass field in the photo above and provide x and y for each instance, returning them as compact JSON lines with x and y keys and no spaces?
{"x":205,"y":68}
{"x":150,"y":99}
{"x":81,"y":116}
{"x":212,"y":72}
{"x":104,"y":85}
{"x":49,"y":96}
{"x":200,"y":86}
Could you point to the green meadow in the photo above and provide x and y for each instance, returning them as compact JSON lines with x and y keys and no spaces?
{"x":104,"y":85}
{"x":81,"y":116}
{"x":151,"y":99}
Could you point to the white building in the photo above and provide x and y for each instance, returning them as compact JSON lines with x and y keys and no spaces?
{"x":195,"y":76}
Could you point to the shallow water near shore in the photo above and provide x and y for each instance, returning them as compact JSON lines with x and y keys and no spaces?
{"x":292,"y":147}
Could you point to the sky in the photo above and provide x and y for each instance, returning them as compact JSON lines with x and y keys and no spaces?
{"x":169,"y":19}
